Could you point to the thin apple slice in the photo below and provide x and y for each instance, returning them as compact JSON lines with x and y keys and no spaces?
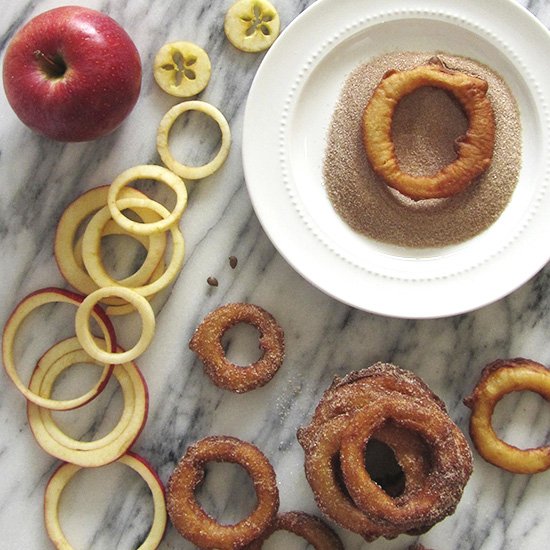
{"x":89,"y":343}
{"x":75,"y":215}
{"x":20,"y":313}
{"x":182,"y":69}
{"x":111,"y":228}
{"x":65,"y":473}
{"x":92,"y":240}
{"x":252,"y":25}
{"x":141,"y":172}
{"x":101,"y":451}
{"x":163,"y":134}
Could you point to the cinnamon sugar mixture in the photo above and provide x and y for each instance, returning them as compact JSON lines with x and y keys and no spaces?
{"x":425,"y":126}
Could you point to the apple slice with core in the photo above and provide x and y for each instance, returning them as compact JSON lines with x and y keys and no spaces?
{"x":66,"y":472}
{"x":182,"y":69}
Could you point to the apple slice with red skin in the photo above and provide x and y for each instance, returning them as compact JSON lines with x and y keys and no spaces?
{"x":89,"y":453}
{"x":72,"y":74}
{"x":23,"y":309}
{"x":63,"y":475}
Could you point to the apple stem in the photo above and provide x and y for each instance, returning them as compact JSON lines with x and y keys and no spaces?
{"x":53,"y":66}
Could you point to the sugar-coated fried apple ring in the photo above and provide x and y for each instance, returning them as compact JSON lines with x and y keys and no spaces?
{"x":252,"y":25}
{"x":89,"y":343}
{"x":190,"y":519}
{"x":497,"y":380}
{"x":474,"y":149}
{"x":65,"y":473}
{"x":100,"y":451}
{"x":182,"y":69}
{"x":20,"y":313}
{"x":163,"y":133}
{"x":342,"y":405}
{"x":312,"y":529}
{"x":444,"y":484}
{"x":75,"y":215}
{"x":206,"y":343}
{"x":321,"y":456}
{"x":91,"y":244}
{"x":143,"y":172}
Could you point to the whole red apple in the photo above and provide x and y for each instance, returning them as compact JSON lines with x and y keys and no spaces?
{"x":72,"y":74}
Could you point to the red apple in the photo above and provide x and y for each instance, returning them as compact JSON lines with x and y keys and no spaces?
{"x":72,"y":74}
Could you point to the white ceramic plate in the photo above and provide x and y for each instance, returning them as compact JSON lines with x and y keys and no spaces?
{"x":287,"y":116}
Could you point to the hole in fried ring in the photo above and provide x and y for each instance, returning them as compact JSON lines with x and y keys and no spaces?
{"x":182,"y":170}
{"x":87,"y":341}
{"x":100,"y":451}
{"x":474,"y":149}
{"x":190,"y":519}
{"x":65,"y":473}
{"x":147,"y":171}
{"x":207,"y":344}
{"x":498,"y":379}
{"x":312,"y":529}
{"x":67,"y":252}
{"x":91,"y":244}
{"x":444,"y":482}
{"x":23,"y":309}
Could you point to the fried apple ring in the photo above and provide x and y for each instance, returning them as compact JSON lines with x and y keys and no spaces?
{"x":474,"y":149}
{"x":206,"y":343}
{"x":348,"y":399}
{"x":442,"y":489}
{"x":310,"y":528}
{"x":191,"y":520}
{"x":498,"y":379}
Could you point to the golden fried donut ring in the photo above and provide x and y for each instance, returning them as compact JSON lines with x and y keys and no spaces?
{"x":333,"y":501}
{"x":310,"y":528}
{"x":206,"y":343}
{"x":354,"y":390}
{"x":451,"y":469}
{"x":474,"y":149}
{"x":498,"y":379}
{"x":190,"y":519}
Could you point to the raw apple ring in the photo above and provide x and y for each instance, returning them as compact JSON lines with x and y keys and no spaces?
{"x":87,"y":341}
{"x":193,"y":172}
{"x":147,"y":171}
{"x":182,"y":69}
{"x":23,"y":309}
{"x":92,"y":240}
{"x":63,"y":475}
{"x":74,"y":215}
{"x":43,"y":380}
{"x":101,"y":451}
{"x":112,"y":228}
{"x":252,"y":25}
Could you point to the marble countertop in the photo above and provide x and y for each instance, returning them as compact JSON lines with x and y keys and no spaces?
{"x":109,"y":509}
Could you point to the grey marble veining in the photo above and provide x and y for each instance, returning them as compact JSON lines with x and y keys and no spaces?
{"x":109,"y":508}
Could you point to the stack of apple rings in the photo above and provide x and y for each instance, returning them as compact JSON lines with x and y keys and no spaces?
{"x":103,"y":212}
